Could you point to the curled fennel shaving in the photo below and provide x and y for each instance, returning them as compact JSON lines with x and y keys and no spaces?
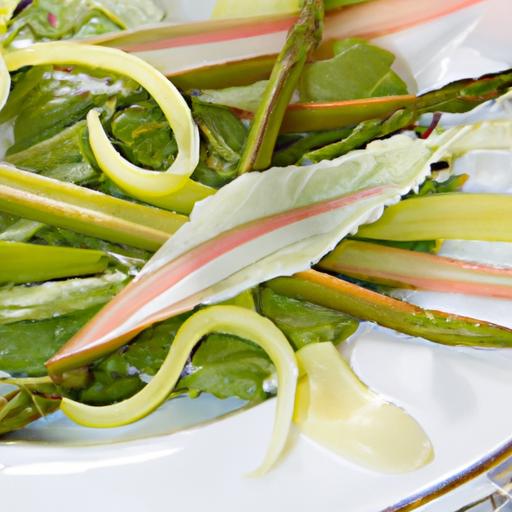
{"x":232,"y":320}
{"x":138,"y":182}
{"x":5,"y":82}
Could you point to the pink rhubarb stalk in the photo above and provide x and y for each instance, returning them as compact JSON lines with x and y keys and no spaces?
{"x":159,"y":294}
{"x":179,"y":49}
{"x":409,"y":269}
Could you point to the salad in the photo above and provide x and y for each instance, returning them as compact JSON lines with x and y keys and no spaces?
{"x":222,"y":231}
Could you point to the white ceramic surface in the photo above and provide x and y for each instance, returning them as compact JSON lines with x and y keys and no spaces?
{"x":460,"y":396}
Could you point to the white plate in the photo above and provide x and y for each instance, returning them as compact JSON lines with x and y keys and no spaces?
{"x":460,"y":396}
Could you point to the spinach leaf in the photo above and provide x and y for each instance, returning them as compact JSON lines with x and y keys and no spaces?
{"x":60,"y":98}
{"x":25,"y":346}
{"x":228,"y":366}
{"x":304,"y":323}
{"x":121,"y":374}
{"x":223,"y":136}
{"x":144,"y":136}
{"x":50,"y":20}
{"x":64,"y":157}
{"x":357,"y":70}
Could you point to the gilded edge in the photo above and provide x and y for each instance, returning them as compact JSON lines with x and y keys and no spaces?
{"x":421,"y":498}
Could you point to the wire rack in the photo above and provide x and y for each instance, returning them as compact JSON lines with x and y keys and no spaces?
{"x":501,"y":500}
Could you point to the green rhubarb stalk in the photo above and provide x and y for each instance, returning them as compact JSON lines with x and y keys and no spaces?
{"x":453,"y":216}
{"x":302,"y":39}
{"x":85,"y":211}
{"x":437,"y":326}
{"x":26,"y":263}
{"x":392,"y":266}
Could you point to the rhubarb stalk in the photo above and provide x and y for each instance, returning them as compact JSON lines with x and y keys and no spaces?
{"x":453,"y":216}
{"x":410,"y":269}
{"x":25,"y":263}
{"x":85,"y":211}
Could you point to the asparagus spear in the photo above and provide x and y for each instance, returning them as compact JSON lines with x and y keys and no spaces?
{"x":459,"y":96}
{"x":445,"y":328}
{"x":302,"y":39}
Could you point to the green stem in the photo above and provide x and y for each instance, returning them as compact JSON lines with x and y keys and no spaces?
{"x":460,"y":96}
{"x":302,"y":39}
{"x":445,"y":328}
{"x":453,"y":216}
{"x":85,"y":211}
{"x":26,"y":263}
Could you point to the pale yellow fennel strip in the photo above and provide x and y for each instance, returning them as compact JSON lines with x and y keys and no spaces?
{"x":232,"y":320}
{"x":138,"y":182}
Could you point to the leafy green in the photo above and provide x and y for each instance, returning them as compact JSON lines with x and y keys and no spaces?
{"x":223,"y":136}
{"x":223,"y":131}
{"x":23,"y":406}
{"x":244,"y":97}
{"x":357,"y":70}
{"x":229,"y":366}
{"x":47,"y":100}
{"x":304,"y":323}
{"x":46,"y":20}
{"x":25,"y":346}
{"x":63,"y":157}
{"x":144,"y":136}
{"x":57,"y":298}
{"x":126,"y":258}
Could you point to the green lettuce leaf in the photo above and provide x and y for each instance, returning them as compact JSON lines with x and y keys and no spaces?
{"x":63,"y":157}
{"x":357,"y":70}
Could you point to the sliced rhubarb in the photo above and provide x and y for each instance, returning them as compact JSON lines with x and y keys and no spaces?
{"x":176,"y":49}
{"x":85,"y":211}
{"x":445,"y":216}
{"x":410,"y":269}
{"x":25,"y":263}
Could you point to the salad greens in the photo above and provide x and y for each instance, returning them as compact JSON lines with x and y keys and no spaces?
{"x":320,"y":81}
{"x":44,"y":20}
{"x":97,"y":260}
